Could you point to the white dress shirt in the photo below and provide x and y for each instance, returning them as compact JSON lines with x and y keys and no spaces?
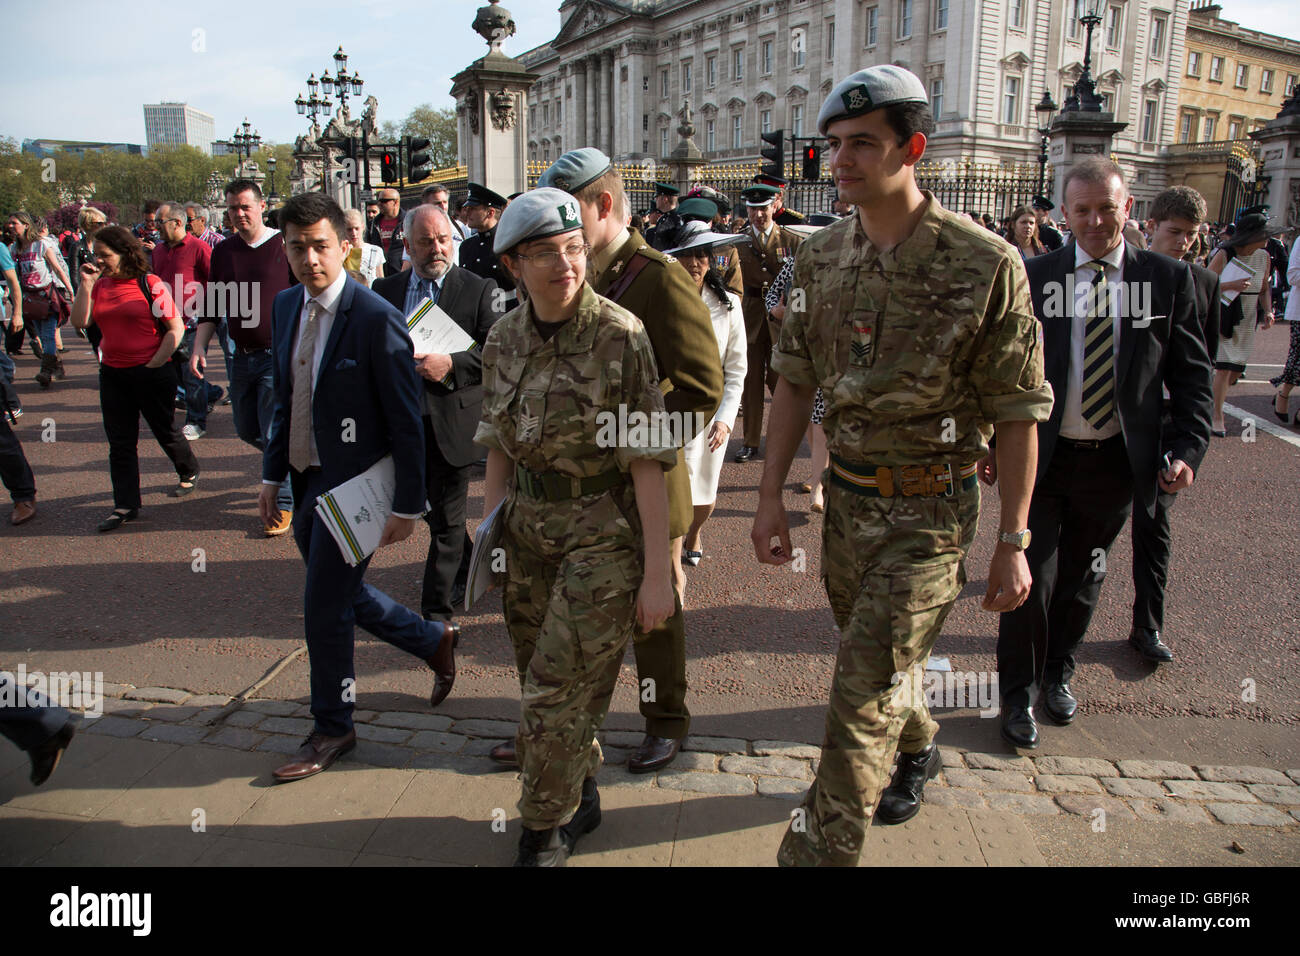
{"x":1073,"y":424}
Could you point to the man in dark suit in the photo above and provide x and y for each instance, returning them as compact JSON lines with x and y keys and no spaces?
{"x":453,"y":389}
{"x":1176,"y":217}
{"x":483,"y":209}
{"x":347,"y":395}
{"x":1118,"y":323}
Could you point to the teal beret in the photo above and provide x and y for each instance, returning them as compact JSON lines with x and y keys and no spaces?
{"x":868,"y":90}
{"x":575,"y":169}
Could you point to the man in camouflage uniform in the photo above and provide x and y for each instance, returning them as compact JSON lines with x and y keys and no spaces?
{"x":575,"y":549}
{"x":760,"y":262}
{"x":918,"y":328}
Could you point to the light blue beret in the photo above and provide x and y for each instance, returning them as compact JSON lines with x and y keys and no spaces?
{"x":536,"y":215}
{"x":575,"y":169}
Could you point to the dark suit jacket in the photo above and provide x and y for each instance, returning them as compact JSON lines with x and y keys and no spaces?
{"x":1168,"y":351}
{"x":454,"y":412}
{"x":367,"y":399}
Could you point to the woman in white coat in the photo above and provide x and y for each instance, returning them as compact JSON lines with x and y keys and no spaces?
{"x":705,"y":452}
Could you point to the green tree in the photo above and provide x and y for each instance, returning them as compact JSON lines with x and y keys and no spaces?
{"x":439,"y":126}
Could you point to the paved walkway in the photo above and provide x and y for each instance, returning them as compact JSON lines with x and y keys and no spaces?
{"x":164,"y":778}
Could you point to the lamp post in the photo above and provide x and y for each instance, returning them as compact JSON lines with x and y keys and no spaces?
{"x":270,"y":165}
{"x":1045,"y":108}
{"x":243,"y":141}
{"x":339,"y":86}
{"x":1084,"y":98}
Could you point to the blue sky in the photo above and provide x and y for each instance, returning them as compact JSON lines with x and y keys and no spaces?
{"x":254,"y":64}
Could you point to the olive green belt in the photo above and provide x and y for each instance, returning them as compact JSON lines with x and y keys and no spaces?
{"x":553,"y":486}
{"x":888,"y":481}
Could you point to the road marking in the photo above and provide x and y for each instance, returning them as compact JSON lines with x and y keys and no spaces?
{"x":1276,"y":431}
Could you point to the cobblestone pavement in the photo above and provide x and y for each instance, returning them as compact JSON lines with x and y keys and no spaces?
{"x":1037,"y":785}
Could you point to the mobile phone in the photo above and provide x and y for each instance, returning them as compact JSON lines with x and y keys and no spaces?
{"x":1167,"y":462}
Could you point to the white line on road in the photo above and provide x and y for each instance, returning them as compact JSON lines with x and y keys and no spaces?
{"x":1290,"y":437}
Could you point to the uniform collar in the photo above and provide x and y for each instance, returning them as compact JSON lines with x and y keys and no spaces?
{"x":578,"y":335}
{"x":602,"y":260}
{"x":918,"y":248}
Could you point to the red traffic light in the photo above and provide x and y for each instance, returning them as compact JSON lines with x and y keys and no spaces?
{"x":388,"y":166}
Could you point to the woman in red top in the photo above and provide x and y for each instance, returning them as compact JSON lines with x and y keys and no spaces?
{"x":136,"y":374}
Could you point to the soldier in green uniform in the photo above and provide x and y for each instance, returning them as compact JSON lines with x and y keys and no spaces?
{"x":918,"y":328}
{"x":782,"y":214}
{"x":760,"y":262}
{"x":659,"y":291}
{"x":586,"y":520}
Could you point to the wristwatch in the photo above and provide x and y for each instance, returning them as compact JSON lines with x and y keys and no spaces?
{"x":1017,"y":539}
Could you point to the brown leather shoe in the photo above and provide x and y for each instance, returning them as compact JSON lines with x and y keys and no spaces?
{"x":653,"y":754}
{"x":24,"y":511}
{"x":443,"y":664}
{"x":505,"y":754}
{"x":317,"y":753}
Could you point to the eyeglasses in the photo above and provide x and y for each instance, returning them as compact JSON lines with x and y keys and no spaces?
{"x":193,"y":219}
{"x":547,"y":260}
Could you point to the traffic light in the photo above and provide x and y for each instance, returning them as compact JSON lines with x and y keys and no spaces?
{"x":419,"y":163}
{"x":388,"y":166}
{"x":774,"y":155}
{"x":812,"y":162}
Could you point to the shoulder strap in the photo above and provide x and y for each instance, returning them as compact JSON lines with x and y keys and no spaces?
{"x":634,"y":266}
{"x":143,"y":282}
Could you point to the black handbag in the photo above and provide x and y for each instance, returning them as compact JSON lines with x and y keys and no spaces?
{"x":181,"y":356}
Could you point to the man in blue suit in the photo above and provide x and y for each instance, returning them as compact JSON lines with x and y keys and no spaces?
{"x":347,"y":394}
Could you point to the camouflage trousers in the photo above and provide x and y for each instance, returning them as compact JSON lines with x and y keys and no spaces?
{"x":572,"y":574}
{"x":893,"y":568}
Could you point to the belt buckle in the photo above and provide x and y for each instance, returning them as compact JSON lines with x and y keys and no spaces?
{"x":950,"y":478}
{"x":885,"y":482}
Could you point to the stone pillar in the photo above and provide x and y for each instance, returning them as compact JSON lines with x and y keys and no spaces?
{"x":1076,"y":136}
{"x":1279,"y":142}
{"x":492,"y":97}
{"x":580,"y":106}
{"x":589,"y":104}
{"x":611,"y":100}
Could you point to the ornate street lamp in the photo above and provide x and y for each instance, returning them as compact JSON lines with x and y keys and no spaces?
{"x":341,"y":86}
{"x":270,"y":165}
{"x":1045,"y":108}
{"x":1084,"y":98}
{"x":243,"y":141}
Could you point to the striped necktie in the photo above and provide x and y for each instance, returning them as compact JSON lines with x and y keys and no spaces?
{"x":300,"y":418}
{"x":1097,"y":397}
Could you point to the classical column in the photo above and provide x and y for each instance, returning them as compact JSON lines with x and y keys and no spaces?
{"x":611,"y":99}
{"x":589,"y":104}
{"x":579,"y":138}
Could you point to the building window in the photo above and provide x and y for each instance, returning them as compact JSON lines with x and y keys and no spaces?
{"x":532,"y":116}
{"x":1266,"y":81}
{"x":1016,"y":13}
{"x":873,"y":25}
{"x":936,"y":97}
{"x":1243,"y":75}
{"x":797,"y":49}
{"x":1150,"y":120}
{"x":737,"y":132}
{"x":765,"y":58}
{"x":904,"y":19}
{"x":1011,"y":102}
{"x":1234,"y":127}
{"x":559,"y":111}
{"x":1290,"y":85}
{"x":710,"y":135}
{"x":663,"y":84}
{"x":1211,"y":127}
{"x":711,"y":72}
{"x":765,"y":121}
{"x":663,"y":142}
{"x":738,"y":63}
{"x":1216,"y":69}
{"x":1185,"y":128}
{"x":645,"y":122}
{"x":1106,"y":100}
{"x":1159,"y":25}
{"x":830,"y":40}
{"x":1114,"y":20}
{"x":645,"y":84}
{"x":686,"y":77}
{"x":941,"y":14}
{"x":796,"y":120}
{"x":1072,"y":28}
{"x":1194,"y":64}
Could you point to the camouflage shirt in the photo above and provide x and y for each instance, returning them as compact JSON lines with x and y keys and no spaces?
{"x":543,"y":400}
{"x":919,"y":350}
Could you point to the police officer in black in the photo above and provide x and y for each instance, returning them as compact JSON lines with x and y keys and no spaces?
{"x":483,"y":208}
{"x":1047,"y":233}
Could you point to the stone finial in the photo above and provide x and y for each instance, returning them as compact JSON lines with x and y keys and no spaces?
{"x":495,"y":25}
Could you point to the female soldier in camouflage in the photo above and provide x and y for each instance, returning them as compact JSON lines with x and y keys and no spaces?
{"x":586,"y":515}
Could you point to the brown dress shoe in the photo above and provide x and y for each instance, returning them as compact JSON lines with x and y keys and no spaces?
{"x":653,"y":754}
{"x":24,"y":511}
{"x":505,"y":754}
{"x":317,"y":753}
{"x":443,"y":664}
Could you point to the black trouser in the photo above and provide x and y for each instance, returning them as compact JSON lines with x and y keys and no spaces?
{"x":1078,"y":509}
{"x":14,"y":470}
{"x":33,"y":719}
{"x":1152,"y":543}
{"x":661,"y":658}
{"x":125,"y":395}
{"x":448,"y":491}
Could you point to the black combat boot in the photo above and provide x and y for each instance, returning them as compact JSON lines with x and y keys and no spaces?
{"x":49,"y":365}
{"x":586,"y":819}
{"x":541,"y":848}
{"x":902,"y":798}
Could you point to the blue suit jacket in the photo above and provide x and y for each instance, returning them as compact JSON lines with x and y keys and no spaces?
{"x":367,"y":399}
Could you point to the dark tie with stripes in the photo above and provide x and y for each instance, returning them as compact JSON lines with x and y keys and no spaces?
{"x":1098,"y":394}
